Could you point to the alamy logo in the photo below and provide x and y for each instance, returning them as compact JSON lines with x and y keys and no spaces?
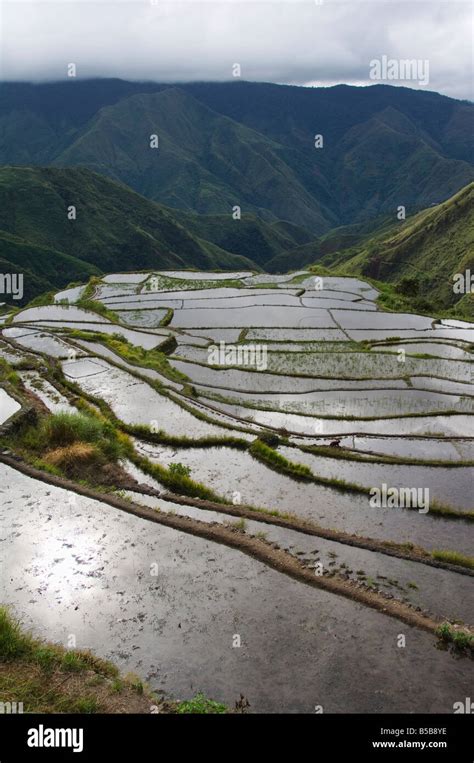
{"x":414,"y":69}
{"x":12,"y":283}
{"x":11,"y":708}
{"x":464,"y":707}
{"x":463,"y":283}
{"x":45,"y":737}
{"x":253,"y":355}
{"x":400,"y":497}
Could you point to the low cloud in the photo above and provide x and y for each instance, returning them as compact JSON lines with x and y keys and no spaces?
{"x":286,"y":41}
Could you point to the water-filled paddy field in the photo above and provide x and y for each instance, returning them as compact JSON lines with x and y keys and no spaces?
{"x":296,"y":449}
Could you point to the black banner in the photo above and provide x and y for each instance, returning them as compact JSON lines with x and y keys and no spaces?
{"x":127,"y":737}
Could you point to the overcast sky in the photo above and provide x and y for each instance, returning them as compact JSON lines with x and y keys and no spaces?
{"x":285,"y":41}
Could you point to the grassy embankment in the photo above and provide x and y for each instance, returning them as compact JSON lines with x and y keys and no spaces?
{"x":47,"y":678}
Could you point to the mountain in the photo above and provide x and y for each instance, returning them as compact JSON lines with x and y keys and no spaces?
{"x":251,"y":237}
{"x":43,"y":267}
{"x":292,"y":115}
{"x":421,"y":254}
{"x":250,"y":144}
{"x":205,"y":162}
{"x":115,"y":229}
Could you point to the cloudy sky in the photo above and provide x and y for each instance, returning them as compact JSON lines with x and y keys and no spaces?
{"x":304,"y":42}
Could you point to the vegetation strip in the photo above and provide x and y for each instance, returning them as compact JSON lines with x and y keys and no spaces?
{"x":372,"y":457}
{"x":260,"y":550}
{"x":257,"y":448}
{"x":47,"y":678}
{"x":446,"y":560}
{"x":280,"y":464}
{"x":299,"y":375}
{"x":450,"y":561}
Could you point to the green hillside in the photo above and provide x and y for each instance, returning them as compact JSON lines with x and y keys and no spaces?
{"x":250,"y":144}
{"x":336,"y":240}
{"x":421,"y":254}
{"x":205,"y":162}
{"x":115,"y":229}
{"x":250,"y":236}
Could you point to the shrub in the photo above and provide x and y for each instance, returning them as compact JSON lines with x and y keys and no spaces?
{"x":409,"y":286}
{"x":180,"y":470}
{"x":74,"y":443}
{"x":73,"y":662}
{"x":460,"y":640}
{"x":63,"y":429}
{"x":201,"y":705}
{"x":270,"y":439}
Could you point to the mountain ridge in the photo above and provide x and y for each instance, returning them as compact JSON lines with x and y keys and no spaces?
{"x":115,"y":228}
{"x":422,"y":141}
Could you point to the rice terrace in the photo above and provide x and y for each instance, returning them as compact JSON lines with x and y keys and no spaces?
{"x":248,"y":488}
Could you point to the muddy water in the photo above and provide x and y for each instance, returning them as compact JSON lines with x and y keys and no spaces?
{"x":448,"y":486}
{"x":125,"y":278}
{"x":53,"y":400}
{"x":362,"y":365}
{"x":437,"y":349}
{"x":367,"y":403}
{"x":251,"y":382}
{"x":301,"y":334}
{"x":392,"y":321}
{"x":216,"y":335}
{"x":443,"y":593}
{"x":134,"y":401}
{"x":450,"y":426}
{"x":214,"y":297}
{"x":71,"y":295}
{"x":443,"y":385}
{"x":446,"y":333}
{"x":424,"y":449}
{"x":204,"y":275}
{"x":57,"y":313}
{"x":43,"y":342}
{"x":142,"y":318}
{"x":106,"y":292}
{"x":235,"y":475}
{"x":10,"y":354}
{"x":280,"y":299}
{"x":318,"y":285}
{"x":268,"y":278}
{"x":328,"y":303}
{"x":84,"y":569}
{"x":137,"y":304}
{"x":104,"y":352}
{"x":147,"y":340}
{"x":232,"y":317}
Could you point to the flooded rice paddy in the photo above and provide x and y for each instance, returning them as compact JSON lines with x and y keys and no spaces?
{"x":85,"y":569}
{"x":385,"y":398}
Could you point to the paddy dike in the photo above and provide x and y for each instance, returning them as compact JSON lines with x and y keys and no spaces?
{"x":162,"y":582}
{"x":96,"y":568}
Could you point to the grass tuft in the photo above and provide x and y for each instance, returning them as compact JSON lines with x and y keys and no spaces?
{"x":454,"y":557}
{"x":201,"y":705}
